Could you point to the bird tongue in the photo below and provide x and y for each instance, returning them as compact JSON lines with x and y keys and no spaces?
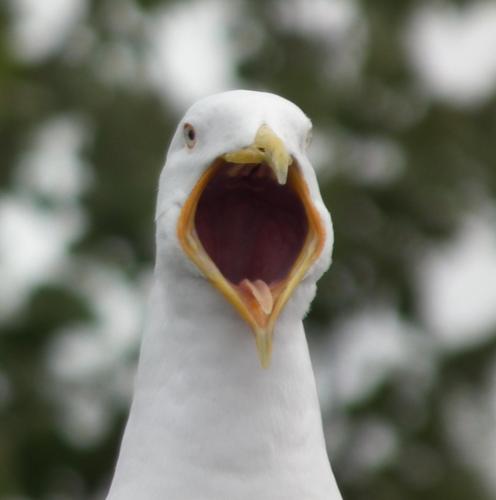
{"x":261,"y":292}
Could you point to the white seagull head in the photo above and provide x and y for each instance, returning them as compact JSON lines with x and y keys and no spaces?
{"x":239,"y":205}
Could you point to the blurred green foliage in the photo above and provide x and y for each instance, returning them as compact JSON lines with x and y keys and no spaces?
{"x":448,"y":154}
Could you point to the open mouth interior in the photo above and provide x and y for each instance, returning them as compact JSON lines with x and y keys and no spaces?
{"x":253,"y":233}
{"x":251,"y":227}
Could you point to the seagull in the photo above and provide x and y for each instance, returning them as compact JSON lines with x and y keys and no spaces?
{"x":225,"y":404}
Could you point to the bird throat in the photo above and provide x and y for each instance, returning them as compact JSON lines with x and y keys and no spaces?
{"x":251,"y":227}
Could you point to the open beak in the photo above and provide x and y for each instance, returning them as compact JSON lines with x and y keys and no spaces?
{"x":252,"y":229}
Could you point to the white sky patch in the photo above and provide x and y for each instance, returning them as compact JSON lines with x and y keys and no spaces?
{"x":322,"y":18}
{"x":457,"y":284}
{"x":80,"y":369}
{"x":78,"y":352}
{"x":118,"y":61}
{"x":190,"y":53}
{"x":82,"y":373}
{"x":117,"y":302}
{"x":373,"y":161}
{"x":91,"y":365}
{"x":452,"y":50}
{"x":83,"y":350}
{"x":364,"y":350}
{"x":34,"y":240}
{"x":52,"y":165}
{"x":40,"y":27}
{"x":33,"y":247}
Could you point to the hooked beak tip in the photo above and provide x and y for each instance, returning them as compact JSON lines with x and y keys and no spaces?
{"x":275,"y":152}
{"x":269,"y":148}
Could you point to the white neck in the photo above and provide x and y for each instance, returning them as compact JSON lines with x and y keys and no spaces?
{"x":206,"y":421}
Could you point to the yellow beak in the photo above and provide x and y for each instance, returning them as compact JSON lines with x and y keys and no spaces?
{"x":268,"y":148}
{"x":258,"y":303}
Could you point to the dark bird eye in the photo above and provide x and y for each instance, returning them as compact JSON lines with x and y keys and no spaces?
{"x":189,"y":135}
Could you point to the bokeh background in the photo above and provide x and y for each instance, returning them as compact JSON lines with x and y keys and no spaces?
{"x":403,"y":332}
